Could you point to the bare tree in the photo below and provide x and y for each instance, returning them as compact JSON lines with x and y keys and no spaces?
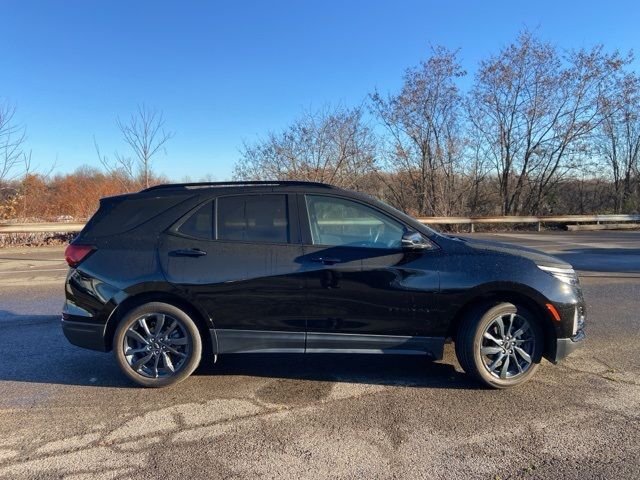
{"x":331,"y":145}
{"x":618,"y":140}
{"x":14,"y":161}
{"x":532,"y":112}
{"x":424,"y":142}
{"x":145,"y":134}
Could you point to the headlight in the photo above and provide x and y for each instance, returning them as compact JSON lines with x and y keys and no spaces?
{"x":566,"y":275}
{"x":578,"y":320}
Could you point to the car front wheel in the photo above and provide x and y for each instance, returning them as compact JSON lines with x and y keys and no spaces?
{"x":501,"y":346}
{"x":157,"y":344}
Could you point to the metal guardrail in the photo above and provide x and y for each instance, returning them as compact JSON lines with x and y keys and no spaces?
{"x":40,"y":227}
{"x":539,"y":220}
{"x":472,"y":221}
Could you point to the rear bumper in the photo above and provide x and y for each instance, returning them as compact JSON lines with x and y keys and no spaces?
{"x":83,"y":334}
{"x":565,"y":346}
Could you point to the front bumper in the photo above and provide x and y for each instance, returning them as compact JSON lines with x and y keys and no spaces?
{"x":570,"y":327}
{"x":565,"y":346}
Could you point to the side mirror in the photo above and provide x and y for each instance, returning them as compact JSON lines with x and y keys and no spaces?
{"x":413,"y":240}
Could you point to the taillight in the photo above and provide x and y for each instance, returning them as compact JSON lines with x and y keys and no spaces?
{"x":74,"y":254}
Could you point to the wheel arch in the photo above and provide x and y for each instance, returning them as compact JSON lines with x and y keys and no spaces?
{"x":492,"y":297}
{"x":203,"y":322}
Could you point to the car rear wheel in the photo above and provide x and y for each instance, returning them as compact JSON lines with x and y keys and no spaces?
{"x":501,"y":345}
{"x":157,"y":344}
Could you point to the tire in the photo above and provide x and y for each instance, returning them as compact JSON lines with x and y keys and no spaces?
{"x":500,"y":359}
{"x":157,"y":358}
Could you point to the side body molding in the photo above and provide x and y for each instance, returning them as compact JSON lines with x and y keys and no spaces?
{"x":269,"y":341}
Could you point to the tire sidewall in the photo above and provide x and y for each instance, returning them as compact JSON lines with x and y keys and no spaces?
{"x":485,"y":320}
{"x":157,"y":307}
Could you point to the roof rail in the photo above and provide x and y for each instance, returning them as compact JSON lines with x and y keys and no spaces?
{"x":274,"y":183}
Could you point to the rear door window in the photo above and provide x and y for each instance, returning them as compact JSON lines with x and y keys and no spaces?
{"x":253,"y":218}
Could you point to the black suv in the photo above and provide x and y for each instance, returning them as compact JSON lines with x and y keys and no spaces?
{"x":174,"y":272}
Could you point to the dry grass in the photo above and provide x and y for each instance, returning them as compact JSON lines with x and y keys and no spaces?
{"x":35,"y":239}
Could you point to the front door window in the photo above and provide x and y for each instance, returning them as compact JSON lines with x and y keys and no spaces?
{"x":337,"y":221}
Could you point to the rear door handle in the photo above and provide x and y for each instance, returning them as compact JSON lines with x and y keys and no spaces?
{"x":188,"y":252}
{"x":326,"y":260}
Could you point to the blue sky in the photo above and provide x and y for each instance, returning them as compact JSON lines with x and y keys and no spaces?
{"x":228,"y":72}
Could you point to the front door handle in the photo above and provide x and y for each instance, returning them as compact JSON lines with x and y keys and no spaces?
{"x":188,"y":252}
{"x":326,"y":260}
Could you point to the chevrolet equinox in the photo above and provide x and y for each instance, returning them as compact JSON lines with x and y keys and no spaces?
{"x":172,"y":273}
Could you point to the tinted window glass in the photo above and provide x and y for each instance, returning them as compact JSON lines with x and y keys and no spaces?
{"x":253,"y":218}
{"x":200,"y":223}
{"x":119,"y":214}
{"x":337,"y":221}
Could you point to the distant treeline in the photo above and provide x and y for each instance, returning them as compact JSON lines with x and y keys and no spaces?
{"x":75,"y":196}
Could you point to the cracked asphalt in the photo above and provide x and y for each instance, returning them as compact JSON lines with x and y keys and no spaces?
{"x":69,"y":413}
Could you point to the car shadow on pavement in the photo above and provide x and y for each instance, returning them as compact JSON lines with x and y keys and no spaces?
{"x":388,"y":370}
{"x":34,"y":350}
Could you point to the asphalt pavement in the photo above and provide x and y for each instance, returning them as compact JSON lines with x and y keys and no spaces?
{"x":66,"y":412}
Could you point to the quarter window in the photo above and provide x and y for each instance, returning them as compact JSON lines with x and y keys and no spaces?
{"x":253,"y":218}
{"x":200,"y":223}
{"x":337,"y":221}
